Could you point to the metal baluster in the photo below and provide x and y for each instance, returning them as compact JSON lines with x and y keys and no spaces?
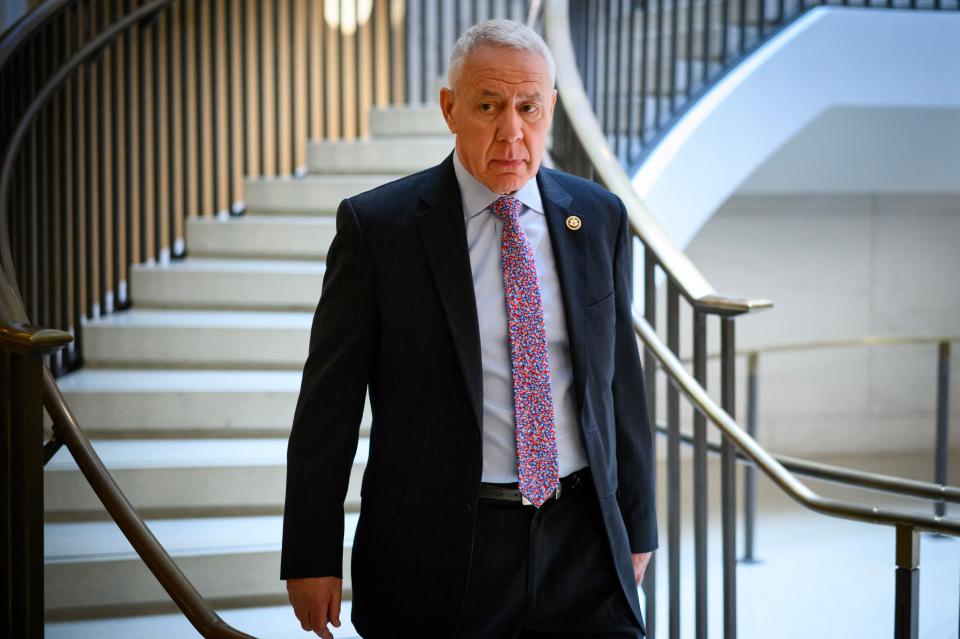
{"x":700,"y":490}
{"x":644,"y":65}
{"x":658,"y":61}
{"x":750,"y":472}
{"x":673,"y":462}
{"x":742,"y":36}
{"x":674,"y":36}
{"x":761,"y":17}
{"x":32,"y":210}
{"x":705,"y":54}
{"x":943,"y":415}
{"x":619,"y":100}
{"x":725,"y":27}
{"x":631,"y":37}
{"x":650,"y":383}
{"x":728,"y":479}
{"x":907,"y":597}
{"x":688,"y":89}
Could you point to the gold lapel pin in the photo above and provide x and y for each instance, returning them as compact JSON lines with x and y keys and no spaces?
{"x":574,"y":223}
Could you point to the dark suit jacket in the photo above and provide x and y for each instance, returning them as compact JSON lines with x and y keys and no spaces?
{"x":397,"y":315}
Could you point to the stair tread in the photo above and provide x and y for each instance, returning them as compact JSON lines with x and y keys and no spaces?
{"x":265,"y":622}
{"x":189,"y":453}
{"x":93,"y":380}
{"x":103,"y":540}
{"x":296,"y":220}
{"x":237,"y":265}
{"x":366,"y":180}
{"x":393,"y":140}
{"x":170,"y":318}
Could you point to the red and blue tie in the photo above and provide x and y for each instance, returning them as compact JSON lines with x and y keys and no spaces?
{"x":537,"y":466}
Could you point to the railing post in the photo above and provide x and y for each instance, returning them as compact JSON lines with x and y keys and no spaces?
{"x":728,"y":479}
{"x":943,"y":413}
{"x":700,"y":486}
{"x":907,"y":598}
{"x":750,"y":472}
{"x":21,"y":456}
{"x":673,"y":464}
{"x":650,"y":383}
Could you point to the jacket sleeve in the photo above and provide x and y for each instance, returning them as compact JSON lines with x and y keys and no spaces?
{"x":635,"y":472}
{"x":326,"y":424}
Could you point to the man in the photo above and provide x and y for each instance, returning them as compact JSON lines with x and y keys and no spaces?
{"x":485,"y":304}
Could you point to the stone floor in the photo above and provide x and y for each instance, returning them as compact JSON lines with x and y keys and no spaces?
{"x":817,"y":576}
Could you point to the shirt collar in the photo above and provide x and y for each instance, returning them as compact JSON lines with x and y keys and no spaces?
{"x":477,"y":198}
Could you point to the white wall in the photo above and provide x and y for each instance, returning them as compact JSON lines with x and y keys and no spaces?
{"x":838,"y":266}
{"x":867,"y":150}
{"x":834,"y":63}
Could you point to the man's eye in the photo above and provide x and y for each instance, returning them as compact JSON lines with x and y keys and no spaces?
{"x":486,"y":107}
{"x":530,"y":108}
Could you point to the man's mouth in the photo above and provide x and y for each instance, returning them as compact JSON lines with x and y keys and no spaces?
{"x":509,"y":163}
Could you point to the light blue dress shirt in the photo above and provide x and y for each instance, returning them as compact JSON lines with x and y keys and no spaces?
{"x":484,"y":229}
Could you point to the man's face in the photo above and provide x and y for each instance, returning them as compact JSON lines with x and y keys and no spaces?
{"x":500,"y":111}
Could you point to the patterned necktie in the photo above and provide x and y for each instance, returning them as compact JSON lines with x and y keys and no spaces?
{"x":537,"y":465}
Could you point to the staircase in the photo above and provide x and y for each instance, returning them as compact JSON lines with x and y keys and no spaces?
{"x":189,"y":397}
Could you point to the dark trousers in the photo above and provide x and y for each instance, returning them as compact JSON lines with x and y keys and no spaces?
{"x":544,"y":572}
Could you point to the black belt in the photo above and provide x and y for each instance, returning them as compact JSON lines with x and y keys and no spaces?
{"x":510,"y":492}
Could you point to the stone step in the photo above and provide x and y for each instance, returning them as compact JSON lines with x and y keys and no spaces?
{"x":90,"y":569}
{"x":184,"y":478}
{"x":408,"y":121}
{"x":250,"y":236}
{"x":138,"y":404}
{"x":217,"y":283}
{"x":160,"y":338}
{"x":308,"y":195}
{"x":263,"y":622}
{"x":399,"y":155}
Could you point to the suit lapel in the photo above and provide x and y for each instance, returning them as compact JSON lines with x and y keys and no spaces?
{"x":569,"y":250}
{"x":444,"y":236}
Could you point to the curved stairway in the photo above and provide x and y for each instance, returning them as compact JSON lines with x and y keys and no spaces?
{"x":190,"y":394}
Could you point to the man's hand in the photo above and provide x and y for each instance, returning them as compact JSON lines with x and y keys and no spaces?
{"x":316,"y":602}
{"x":640,"y":562}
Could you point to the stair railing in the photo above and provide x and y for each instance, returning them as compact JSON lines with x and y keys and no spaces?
{"x":580,"y":145}
{"x":27,"y":386}
{"x":647,"y":62}
{"x":941,"y":398}
{"x":163,"y":124}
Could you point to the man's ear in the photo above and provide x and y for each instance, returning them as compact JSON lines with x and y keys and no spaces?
{"x":446,"y":106}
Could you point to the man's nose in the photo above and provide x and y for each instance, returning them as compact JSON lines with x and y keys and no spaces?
{"x":509,"y":126}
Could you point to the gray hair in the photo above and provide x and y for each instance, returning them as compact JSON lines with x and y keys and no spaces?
{"x":498,"y":33}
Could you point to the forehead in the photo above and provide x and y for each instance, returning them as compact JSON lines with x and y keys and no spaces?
{"x":494,"y":69}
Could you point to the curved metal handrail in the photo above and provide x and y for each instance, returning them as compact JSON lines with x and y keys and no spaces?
{"x":183,"y":593}
{"x":691,"y":282}
{"x":21,"y":30}
{"x":695,"y":287}
{"x":142,"y":13}
{"x":766,"y":462}
{"x":851,"y":342}
{"x":847,"y":476}
{"x":845,"y":342}
{"x":13,"y":316}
